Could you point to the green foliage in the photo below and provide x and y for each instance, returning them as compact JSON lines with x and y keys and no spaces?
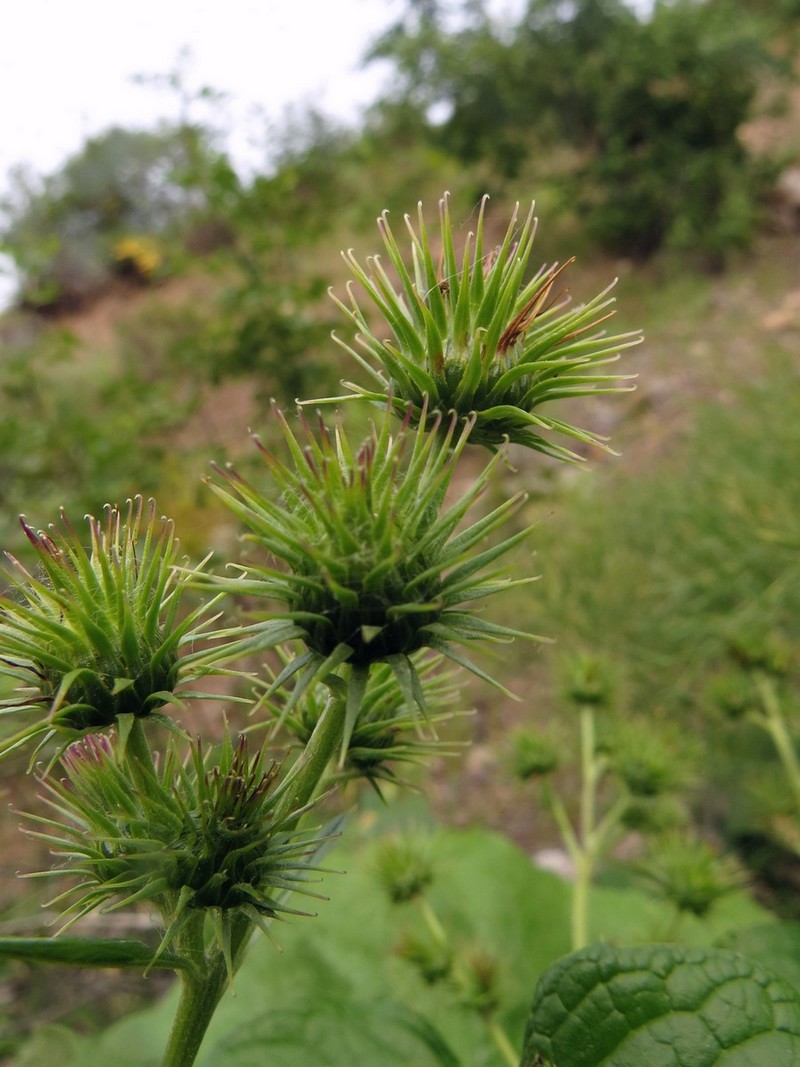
{"x":75,"y":433}
{"x":664,"y":1007}
{"x":62,"y":231}
{"x":668,"y":568}
{"x":775,"y":946}
{"x":651,"y":106}
{"x":339,"y":979}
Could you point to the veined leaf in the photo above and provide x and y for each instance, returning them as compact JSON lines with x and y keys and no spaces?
{"x":662,"y":1006}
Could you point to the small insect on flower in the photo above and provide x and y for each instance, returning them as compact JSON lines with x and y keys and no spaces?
{"x":95,"y":633}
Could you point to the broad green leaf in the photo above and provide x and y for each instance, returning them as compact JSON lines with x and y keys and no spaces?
{"x":662,"y":1006}
{"x":87,"y":952}
{"x":775,"y":945}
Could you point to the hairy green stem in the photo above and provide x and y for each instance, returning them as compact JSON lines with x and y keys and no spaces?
{"x":202,"y":989}
{"x":588,"y":844}
{"x":439,"y":934}
{"x":432,"y":921}
{"x":303,"y":782}
{"x":204,"y":984}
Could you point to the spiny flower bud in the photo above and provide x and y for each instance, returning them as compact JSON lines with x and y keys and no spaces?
{"x":432,"y":960}
{"x":587,"y":680}
{"x":732,"y":692}
{"x":647,"y":759}
{"x":196,"y":837}
{"x":534,"y":755}
{"x":403,"y":868}
{"x":473,"y":336}
{"x":385,"y":733}
{"x":375,"y":566}
{"x":688,"y":873}
{"x":756,"y":650}
{"x":479,"y":982}
{"x":97,"y":633}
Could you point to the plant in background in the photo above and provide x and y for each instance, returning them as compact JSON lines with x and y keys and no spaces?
{"x":689,"y":874}
{"x":756,"y":690}
{"x":406,"y":872}
{"x":630,"y":780}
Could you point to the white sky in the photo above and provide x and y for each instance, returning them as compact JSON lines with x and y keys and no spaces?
{"x":67,"y":67}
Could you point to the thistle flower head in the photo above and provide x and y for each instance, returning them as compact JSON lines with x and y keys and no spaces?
{"x":201,"y":837}
{"x":95,"y":632}
{"x":690,"y":874}
{"x":374,"y":567}
{"x":649,"y":761}
{"x":534,"y":755}
{"x":404,"y":867}
{"x":476,"y":336}
{"x":587,"y":680}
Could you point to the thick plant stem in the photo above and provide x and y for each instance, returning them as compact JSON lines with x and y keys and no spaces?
{"x":205,"y":983}
{"x":199,"y":999}
{"x":303,"y":782}
{"x":202,"y":989}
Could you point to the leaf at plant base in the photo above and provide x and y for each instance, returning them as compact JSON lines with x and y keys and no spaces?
{"x":662,"y":1006}
{"x":775,"y":945}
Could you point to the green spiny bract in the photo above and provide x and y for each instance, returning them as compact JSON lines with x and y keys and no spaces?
{"x":191,"y":837}
{"x":386,"y":732}
{"x":375,"y":565}
{"x":689,"y":873}
{"x":97,"y":632}
{"x":404,"y":867}
{"x":475,"y":337}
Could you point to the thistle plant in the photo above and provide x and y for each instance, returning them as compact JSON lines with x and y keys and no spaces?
{"x":376,"y":564}
{"x":199,"y":842}
{"x":689,"y":874}
{"x":406,"y":871}
{"x":100,"y":632}
{"x":368,"y":568}
{"x":757,"y":691}
{"x":475,"y":336}
{"x":632,"y":781}
{"x":386,"y":735}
